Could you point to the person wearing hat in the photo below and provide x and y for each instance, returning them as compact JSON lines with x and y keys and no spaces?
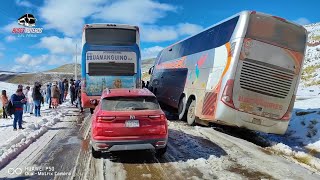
{"x":55,"y":95}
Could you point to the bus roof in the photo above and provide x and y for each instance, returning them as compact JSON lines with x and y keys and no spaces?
{"x":247,"y":12}
{"x":111,"y":25}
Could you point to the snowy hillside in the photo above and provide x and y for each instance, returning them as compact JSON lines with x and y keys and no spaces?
{"x":311,"y":72}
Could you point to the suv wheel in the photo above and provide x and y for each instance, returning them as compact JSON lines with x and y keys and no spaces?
{"x":161,"y":152}
{"x":95,"y":154}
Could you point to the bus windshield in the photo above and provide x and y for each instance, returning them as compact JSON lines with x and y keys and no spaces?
{"x":110,"y":36}
{"x":274,"y":31}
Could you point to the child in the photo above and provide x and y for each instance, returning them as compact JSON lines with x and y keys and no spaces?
{"x":4,"y":100}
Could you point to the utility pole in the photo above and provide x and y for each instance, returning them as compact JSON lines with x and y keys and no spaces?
{"x":75,"y":66}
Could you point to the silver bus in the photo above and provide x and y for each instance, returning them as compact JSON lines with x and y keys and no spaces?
{"x":243,"y":71}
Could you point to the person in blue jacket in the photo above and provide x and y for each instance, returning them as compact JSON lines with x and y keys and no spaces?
{"x":18,"y":100}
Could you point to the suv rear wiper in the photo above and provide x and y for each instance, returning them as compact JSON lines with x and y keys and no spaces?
{"x":139,"y":108}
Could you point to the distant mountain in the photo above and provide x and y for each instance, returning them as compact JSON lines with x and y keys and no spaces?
{"x":66,"y":69}
{"x":62,"y":72}
{"x":311,"y":67}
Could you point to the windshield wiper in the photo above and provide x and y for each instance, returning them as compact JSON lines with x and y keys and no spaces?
{"x":136,"y":108}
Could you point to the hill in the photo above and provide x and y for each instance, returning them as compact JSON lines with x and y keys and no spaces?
{"x":59,"y":73}
{"x":311,"y":67}
{"x":66,"y":69}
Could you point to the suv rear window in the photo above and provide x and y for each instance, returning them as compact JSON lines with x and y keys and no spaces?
{"x":130,"y":103}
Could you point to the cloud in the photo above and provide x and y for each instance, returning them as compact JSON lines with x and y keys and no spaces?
{"x":168,"y":33}
{"x":158,"y":34}
{"x":9,"y":27}
{"x":150,"y":52}
{"x":59,"y":16}
{"x":24,"y":3}
{"x":58,"y":45}
{"x":10,"y":38}
{"x":188,"y":29}
{"x":1,"y":55}
{"x":67,"y":16}
{"x":27,"y":59}
{"x":29,"y":63}
{"x":302,"y":21}
{"x":134,"y":12}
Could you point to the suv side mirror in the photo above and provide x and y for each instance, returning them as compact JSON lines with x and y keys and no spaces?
{"x":151,"y":70}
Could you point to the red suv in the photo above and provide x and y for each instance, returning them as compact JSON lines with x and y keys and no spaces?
{"x":128,"y":119}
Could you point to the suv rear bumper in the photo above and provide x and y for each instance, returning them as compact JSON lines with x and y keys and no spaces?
{"x":128,"y":144}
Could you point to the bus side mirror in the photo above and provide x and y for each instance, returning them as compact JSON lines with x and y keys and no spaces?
{"x":151,"y":70}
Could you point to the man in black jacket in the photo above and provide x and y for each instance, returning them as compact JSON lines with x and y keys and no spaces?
{"x":37,"y":98}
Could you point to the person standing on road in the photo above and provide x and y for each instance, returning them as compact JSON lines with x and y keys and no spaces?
{"x":4,"y":101}
{"x":55,"y":95}
{"x":37,"y":98}
{"x":48,"y":95}
{"x":61,"y":88}
{"x":25,"y":92}
{"x":66,"y":89}
{"x":79,"y":105}
{"x":18,"y":99}
{"x":30,"y":101}
{"x":72,"y":91}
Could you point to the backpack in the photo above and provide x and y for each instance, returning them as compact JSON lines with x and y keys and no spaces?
{"x":9,"y":108}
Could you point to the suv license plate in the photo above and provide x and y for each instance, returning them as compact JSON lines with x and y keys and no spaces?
{"x":132,"y":123}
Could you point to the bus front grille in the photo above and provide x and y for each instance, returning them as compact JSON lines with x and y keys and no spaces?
{"x":266,"y":78}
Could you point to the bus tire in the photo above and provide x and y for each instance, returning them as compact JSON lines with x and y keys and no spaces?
{"x":91,"y":110}
{"x":182,"y":109}
{"x":191,"y":116}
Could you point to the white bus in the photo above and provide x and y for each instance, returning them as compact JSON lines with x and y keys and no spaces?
{"x":243,"y":71}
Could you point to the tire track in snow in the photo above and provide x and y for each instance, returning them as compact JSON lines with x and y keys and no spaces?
{"x":250,"y":156}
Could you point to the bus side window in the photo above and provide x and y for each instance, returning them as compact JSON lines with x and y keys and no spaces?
{"x":226,"y":30}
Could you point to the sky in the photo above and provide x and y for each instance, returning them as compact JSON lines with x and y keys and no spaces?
{"x":161,"y":24}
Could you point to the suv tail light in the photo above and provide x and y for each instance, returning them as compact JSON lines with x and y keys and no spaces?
{"x":105,"y":118}
{"x":227,"y":94}
{"x":287,"y":115}
{"x":161,"y":117}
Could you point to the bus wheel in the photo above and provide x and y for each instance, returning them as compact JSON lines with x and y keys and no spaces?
{"x":191,"y":117}
{"x":182,"y":109}
{"x":91,"y":110}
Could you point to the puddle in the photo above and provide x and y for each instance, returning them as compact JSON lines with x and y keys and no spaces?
{"x":73,"y":140}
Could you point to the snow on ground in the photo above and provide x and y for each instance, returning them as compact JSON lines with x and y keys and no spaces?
{"x":302,"y":139}
{"x":239,"y":159}
{"x":14,"y":142}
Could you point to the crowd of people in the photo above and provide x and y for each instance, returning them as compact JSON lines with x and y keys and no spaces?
{"x":29,"y":99}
